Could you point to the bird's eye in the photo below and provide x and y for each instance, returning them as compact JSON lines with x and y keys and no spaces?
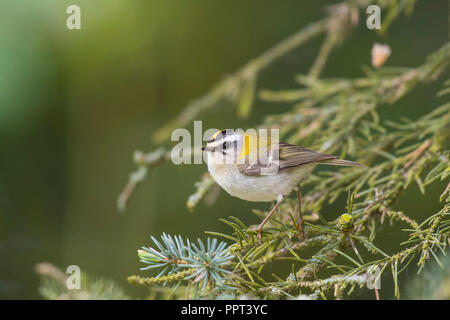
{"x":224,"y":146}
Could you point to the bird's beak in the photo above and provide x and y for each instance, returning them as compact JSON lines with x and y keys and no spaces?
{"x":206,"y":149}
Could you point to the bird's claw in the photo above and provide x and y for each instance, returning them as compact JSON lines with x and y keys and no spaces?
{"x":258,"y":234}
{"x":301,"y":232}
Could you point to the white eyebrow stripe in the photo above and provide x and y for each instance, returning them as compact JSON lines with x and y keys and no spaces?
{"x":215,"y":144}
{"x":219,"y":142}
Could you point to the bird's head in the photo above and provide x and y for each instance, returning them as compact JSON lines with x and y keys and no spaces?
{"x":224,"y":146}
{"x":231,"y":146}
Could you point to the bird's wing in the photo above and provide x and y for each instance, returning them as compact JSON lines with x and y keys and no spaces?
{"x":293,"y":156}
{"x":288,"y":156}
{"x":255,"y":169}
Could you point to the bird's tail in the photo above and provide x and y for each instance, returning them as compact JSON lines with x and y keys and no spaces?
{"x":340,"y":162}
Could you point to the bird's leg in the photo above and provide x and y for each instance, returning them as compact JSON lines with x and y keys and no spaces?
{"x":260,"y":227}
{"x":300,"y":217}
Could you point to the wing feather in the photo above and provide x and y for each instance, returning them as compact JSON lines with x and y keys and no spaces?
{"x":293,"y":156}
{"x":289,"y":156}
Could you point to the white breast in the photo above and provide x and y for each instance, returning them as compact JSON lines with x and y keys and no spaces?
{"x":257,"y":188}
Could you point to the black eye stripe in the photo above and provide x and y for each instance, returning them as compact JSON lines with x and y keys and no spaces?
{"x":223,"y":142}
{"x":219,"y":136}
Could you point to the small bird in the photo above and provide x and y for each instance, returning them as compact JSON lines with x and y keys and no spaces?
{"x":256,"y":167}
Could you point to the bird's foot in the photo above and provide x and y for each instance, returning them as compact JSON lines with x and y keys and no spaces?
{"x":258,"y":234}
{"x":301,"y":232}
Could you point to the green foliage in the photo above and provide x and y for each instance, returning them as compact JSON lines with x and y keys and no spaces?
{"x":338,"y":116}
{"x":433,"y":283}
{"x":184,"y":260}
{"x":53,"y":286}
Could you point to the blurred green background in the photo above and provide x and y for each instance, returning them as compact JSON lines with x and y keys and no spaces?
{"x":75,"y":104}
